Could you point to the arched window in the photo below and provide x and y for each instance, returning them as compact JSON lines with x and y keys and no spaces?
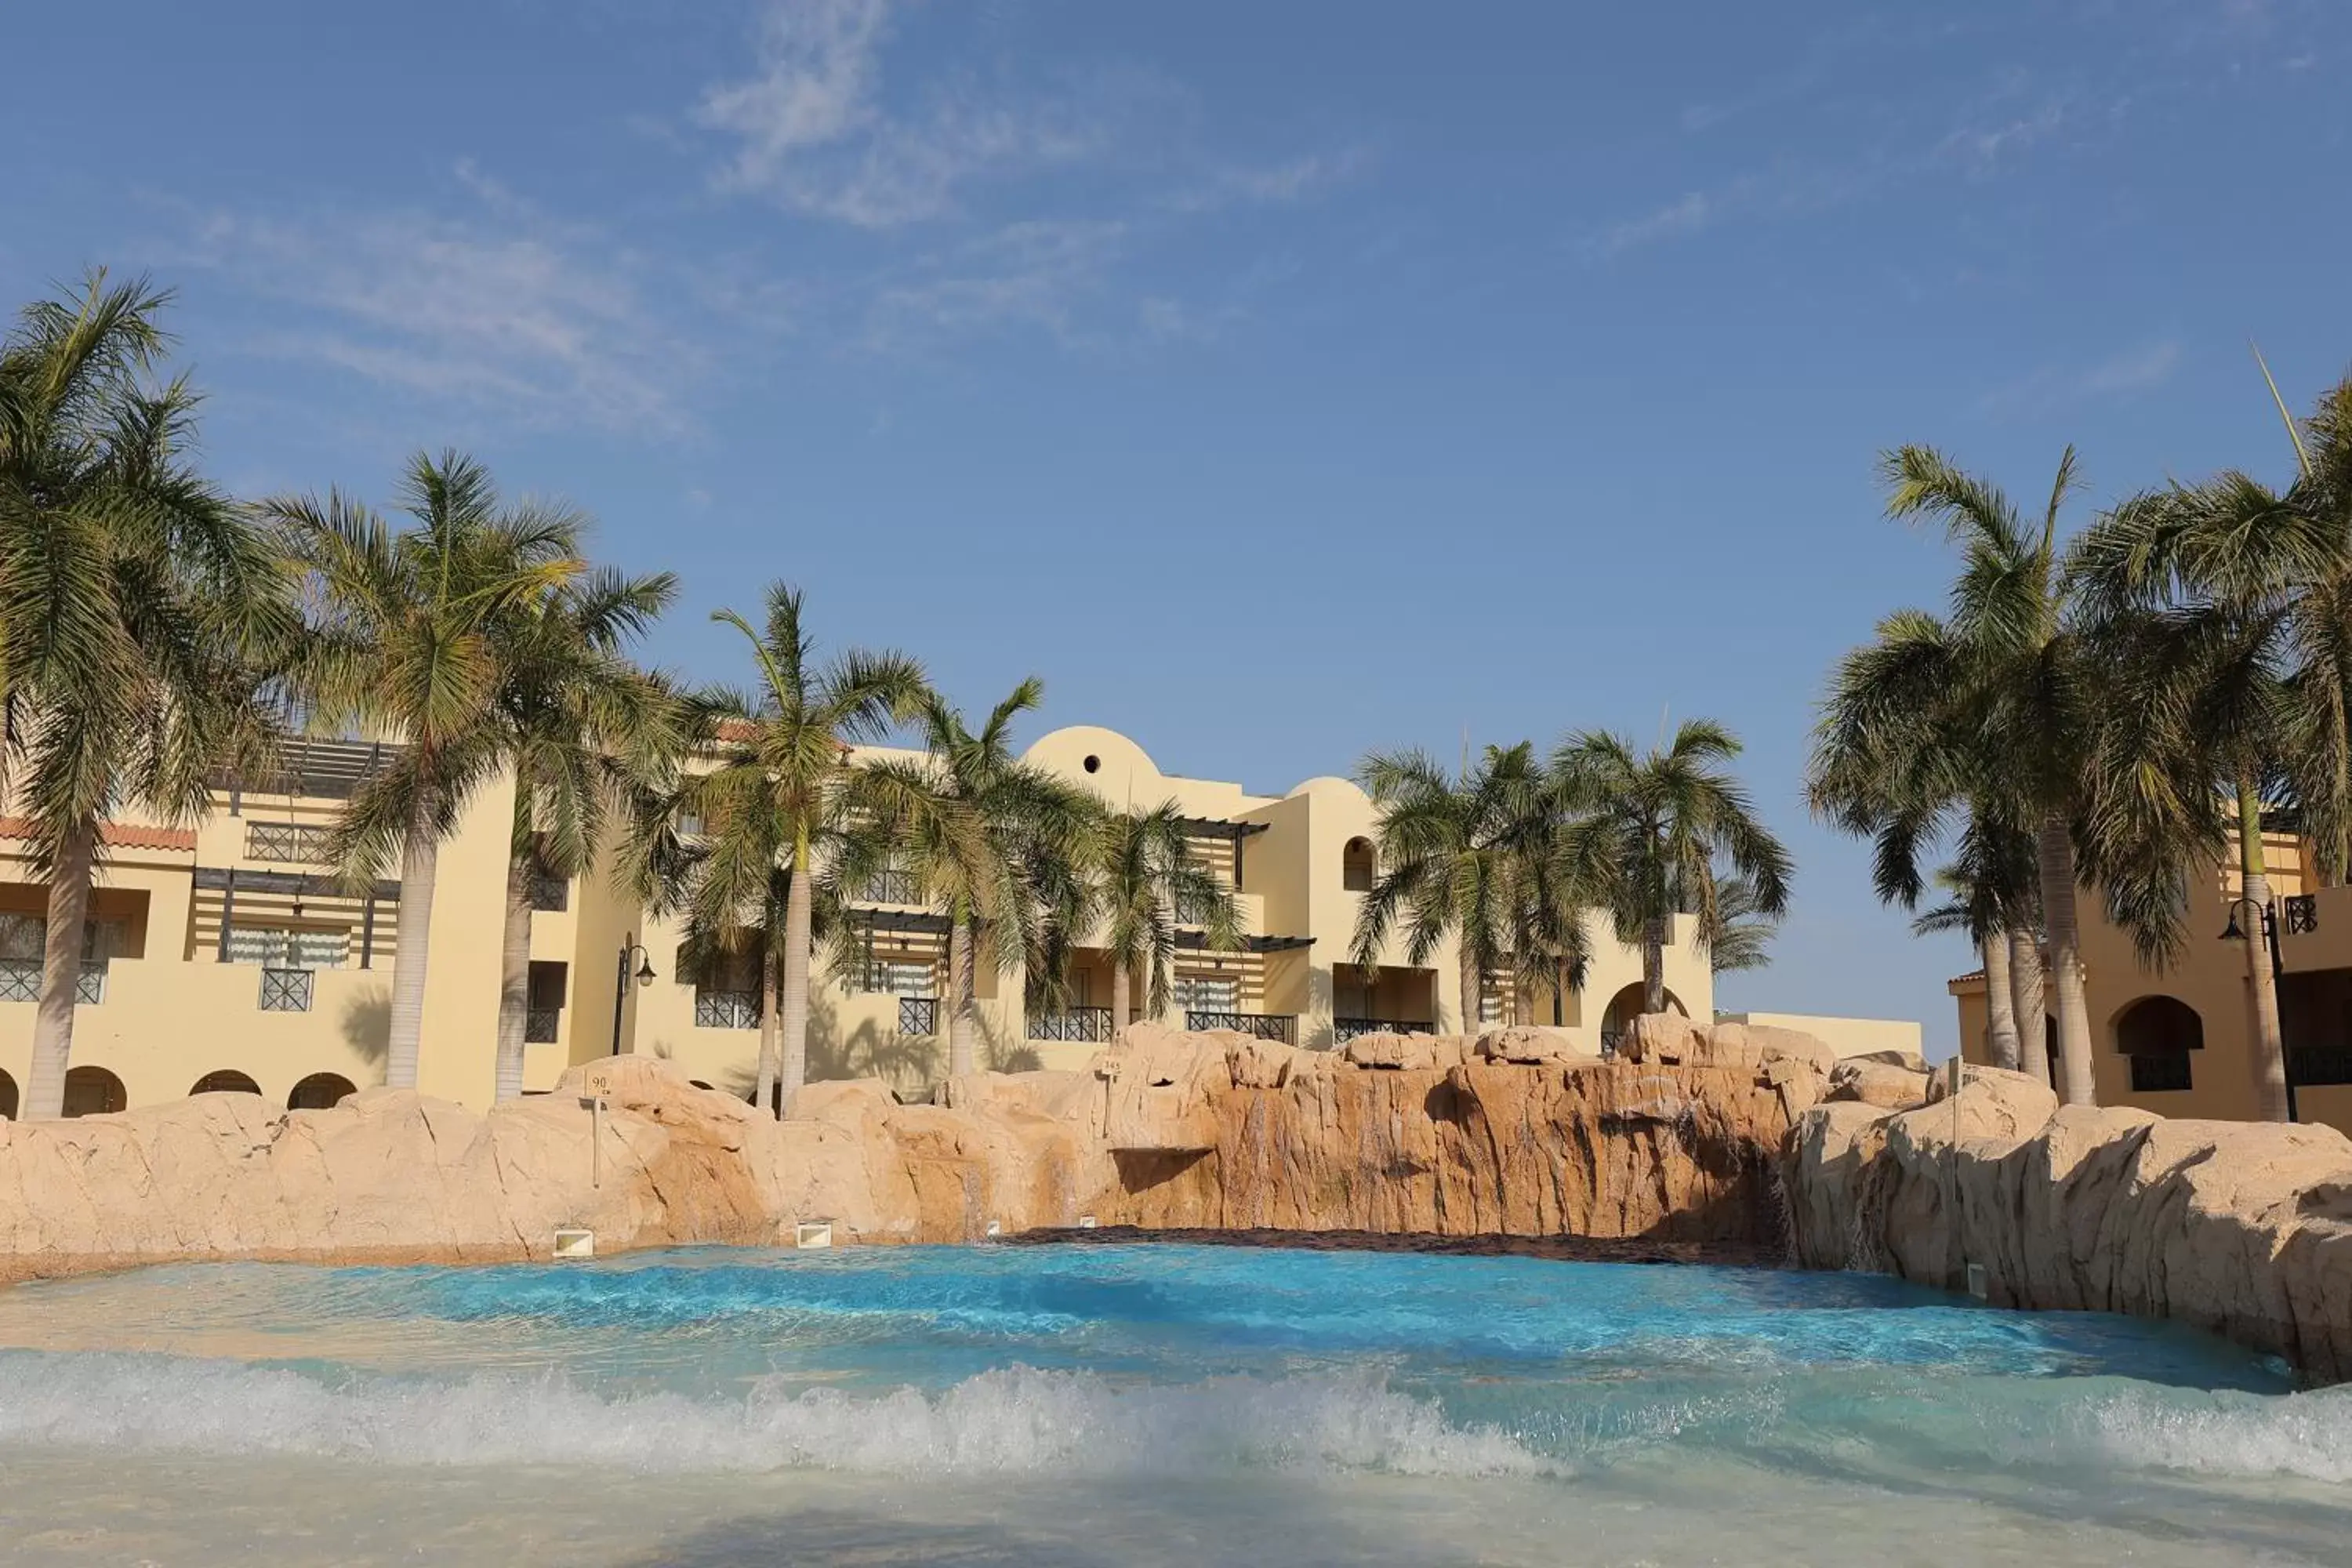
{"x":2158,"y":1033}
{"x":320,"y":1092}
{"x":227,"y":1081}
{"x":7,"y":1098}
{"x":94,"y":1091}
{"x":1358,"y":869}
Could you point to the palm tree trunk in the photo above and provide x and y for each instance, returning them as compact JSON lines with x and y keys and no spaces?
{"x":1472,"y":979}
{"x":962,"y":998}
{"x":420,"y":857}
{"x":2000,"y":1002}
{"x":795,"y":1003}
{"x":514,"y":979}
{"x":772,"y":1023}
{"x":2262,"y":982}
{"x":2057,"y":856}
{"x":1119,"y":999}
{"x":45,"y":1088}
{"x":1654,"y":967}
{"x":2032,"y":1010}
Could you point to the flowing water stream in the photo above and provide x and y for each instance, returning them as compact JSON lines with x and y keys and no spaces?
{"x":1133,"y":1404}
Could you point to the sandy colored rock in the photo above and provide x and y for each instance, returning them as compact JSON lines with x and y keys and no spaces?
{"x":1911,"y":1061}
{"x":1661,"y":1037}
{"x":1415,"y":1053}
{"x":1872,"y":1081}
{"x":1529,"y":1045}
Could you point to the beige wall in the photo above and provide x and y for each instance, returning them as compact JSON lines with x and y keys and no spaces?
{"x":1847,"y":1037}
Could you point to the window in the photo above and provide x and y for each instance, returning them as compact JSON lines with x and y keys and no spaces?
{"x":898,"y":977}
{"x":890,"y":885}
{"x":290,"y":947}
{"x":1490,"y":1005}
{"x":23,"y":939}
{"x":544,"y":1017}
{"x":1358,"y":868}
{"x":550,"y":892}
{"x":1208,"y":994}
{"x":2155,"y":1074}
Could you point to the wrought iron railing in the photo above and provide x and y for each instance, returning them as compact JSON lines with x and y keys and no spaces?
{"x":2300,"y":913}
{"x":1346,"y":1029}
{"x":1089,"y":1024}
{"x":2156,"y":1072}
{"x":20,"y":981}
{"x":1612,"y":1041}
{"x":2319,"y":1065}
{"x":550,"y":892}
{"x":1265,"y":1025}
{"x":540,"y":1025}
{"x":726,"y":1009}
{"x":890,"y":887}
{"x":919,"y":1015}
{"x":286,"y":990}
{"x":300,"y":843}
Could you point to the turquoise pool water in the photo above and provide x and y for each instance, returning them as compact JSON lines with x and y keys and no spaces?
{"x":1134,"y":1404}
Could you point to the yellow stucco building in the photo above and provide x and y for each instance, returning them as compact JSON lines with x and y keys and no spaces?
{"x":2177,"y":1041}
{"x":226,"y":955}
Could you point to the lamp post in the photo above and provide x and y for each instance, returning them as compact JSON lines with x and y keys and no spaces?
{"x":644,"y":977}
{"x":2268,"y":924}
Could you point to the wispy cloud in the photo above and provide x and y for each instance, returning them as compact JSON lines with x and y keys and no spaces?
{"x":811,"y":132}
{"x":1035,"y":274}
{"x":502,"y":314}
{"x":1688,"y":215}
{"x":2127,"y":374}
{"x":1270,"y":185}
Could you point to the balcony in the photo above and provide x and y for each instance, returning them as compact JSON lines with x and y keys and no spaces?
{"x":1091,"y":1025}
{"x":20,"y":981}
{"x":919,"y":1015}
{"x":287,"y":990}
{"x":1346,"y":1029}
{"x":1263,"y":1026}
{"x":726,"y":1009}
{"x":542,"y":1025}
{"x":294,"y":843}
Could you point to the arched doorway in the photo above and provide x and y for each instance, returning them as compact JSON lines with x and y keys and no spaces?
{"x":94,"y":1091}
{"x":1359,"y":867}
{"x":1626,"y":1006}
{"x":320,"y":1092}
{"x":227,"y":1081}
{"x":7,"y":1098}
{"x":2158,"y":1033}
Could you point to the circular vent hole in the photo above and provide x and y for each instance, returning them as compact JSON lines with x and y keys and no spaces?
{"x":1093,"y":765}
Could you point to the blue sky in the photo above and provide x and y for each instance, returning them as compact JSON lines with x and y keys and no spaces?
{"x":1276,"y":382}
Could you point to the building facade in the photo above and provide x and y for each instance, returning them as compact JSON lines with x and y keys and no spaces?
{"x":226,"y":956}
{"x":2178,"y":1040}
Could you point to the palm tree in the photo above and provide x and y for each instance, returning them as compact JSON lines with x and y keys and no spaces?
{"x":978,"y":831}
{"x":1991,"y":888}
{"x":1469,"y":857}
{"x":135,"y":603}
{"x":416,"y":636}
{"x":2229,"y":599}
{"x":773,"y":799}
{"x":2003,"y":711}
{"x":582,"y":724}
{"x":1144,"y":886}
{"x":1744,"y":941}
{"x":1647,"y":832}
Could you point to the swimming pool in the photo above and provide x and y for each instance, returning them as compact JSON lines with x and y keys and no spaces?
{"x":1102,"y":1404}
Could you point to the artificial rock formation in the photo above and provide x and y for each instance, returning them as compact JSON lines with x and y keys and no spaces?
{"x":2242,"y":1228}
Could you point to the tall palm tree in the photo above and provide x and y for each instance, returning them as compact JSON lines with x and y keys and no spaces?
{"x":582,"y":724}
{"x":2233,"y":598}
{"x":1648,"y":833}
{"x":978,"y":831}
{"x":134,"y":602}
{"x":1990,"y":888}
{"x":1145,"y":887}
{"x":2004,"y":710}
{"x":415,"y":635}
{"x":773,"y":800}
{"x":1466,"y":856}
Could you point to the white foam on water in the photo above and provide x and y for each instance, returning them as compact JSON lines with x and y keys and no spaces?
{"x":1012,"y":1421}
{"x":2308,"y":1434}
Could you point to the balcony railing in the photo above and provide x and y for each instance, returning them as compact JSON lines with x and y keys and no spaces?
{"x":1087,"y":1024}
{"x":919,"y":1015}
{"x":1265,"y":1025}
{"x":2154,"y":1073}
{"x":2301,"y":913}
{"x":1346,"y":1029}
{"x":726,"y":1009}
{"x":889,"y":887}
{"x":299,"y":843}
{"x":2319,"y":1065}
{"x":540,"y":1025}
{"x":20,"y":981}
{"x":286,"y":990}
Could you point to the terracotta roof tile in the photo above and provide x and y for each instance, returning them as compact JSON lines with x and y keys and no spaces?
{"x":116,"y":834}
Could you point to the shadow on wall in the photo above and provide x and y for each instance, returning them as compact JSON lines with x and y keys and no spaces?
{"x":367,"y":1024}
